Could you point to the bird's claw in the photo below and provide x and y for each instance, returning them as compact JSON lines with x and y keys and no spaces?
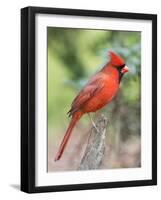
{"x":95,"y":127}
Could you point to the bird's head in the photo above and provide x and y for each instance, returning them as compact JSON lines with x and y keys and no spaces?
{"x":118,"y":62}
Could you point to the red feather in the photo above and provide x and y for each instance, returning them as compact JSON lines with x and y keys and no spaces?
{"x":116,"y":60}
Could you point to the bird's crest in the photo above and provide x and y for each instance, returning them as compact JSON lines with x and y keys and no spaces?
{"x":115,"y":59}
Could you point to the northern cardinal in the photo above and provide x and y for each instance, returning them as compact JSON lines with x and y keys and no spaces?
{"x":98,"y":92}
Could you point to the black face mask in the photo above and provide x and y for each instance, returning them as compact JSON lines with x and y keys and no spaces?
{"x":120,"y":73}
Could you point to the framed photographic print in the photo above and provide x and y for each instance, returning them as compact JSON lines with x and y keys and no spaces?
{"x":88,"y":99}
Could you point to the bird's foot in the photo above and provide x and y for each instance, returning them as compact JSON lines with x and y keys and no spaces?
{"x":94,"y":125}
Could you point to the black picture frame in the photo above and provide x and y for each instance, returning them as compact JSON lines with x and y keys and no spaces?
{"x":28,"y":98}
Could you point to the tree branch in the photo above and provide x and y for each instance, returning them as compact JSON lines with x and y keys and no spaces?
{"x":95,"y":149}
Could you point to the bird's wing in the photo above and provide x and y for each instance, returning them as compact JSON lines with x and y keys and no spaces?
{"x":94,"y":85}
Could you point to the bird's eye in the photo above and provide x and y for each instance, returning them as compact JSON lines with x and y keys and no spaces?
{"x":122,"y":66}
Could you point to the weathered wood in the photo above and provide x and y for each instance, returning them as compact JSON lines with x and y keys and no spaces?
{"x":95,"y":149}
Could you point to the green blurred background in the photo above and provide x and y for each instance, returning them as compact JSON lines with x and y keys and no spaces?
{"x":74,"y":55}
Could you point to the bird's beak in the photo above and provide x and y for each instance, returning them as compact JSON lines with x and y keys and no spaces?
{"x":125,"y":70}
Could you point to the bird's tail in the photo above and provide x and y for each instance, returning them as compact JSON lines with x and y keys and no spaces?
{"x":74,"y":120}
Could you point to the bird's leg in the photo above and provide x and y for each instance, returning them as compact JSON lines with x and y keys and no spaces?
{"x":94,"y":125}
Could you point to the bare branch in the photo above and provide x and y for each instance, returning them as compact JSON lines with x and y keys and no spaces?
{"x":95,"y":149}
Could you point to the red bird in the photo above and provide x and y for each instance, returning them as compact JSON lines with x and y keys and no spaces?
{"x":98,"y":92}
